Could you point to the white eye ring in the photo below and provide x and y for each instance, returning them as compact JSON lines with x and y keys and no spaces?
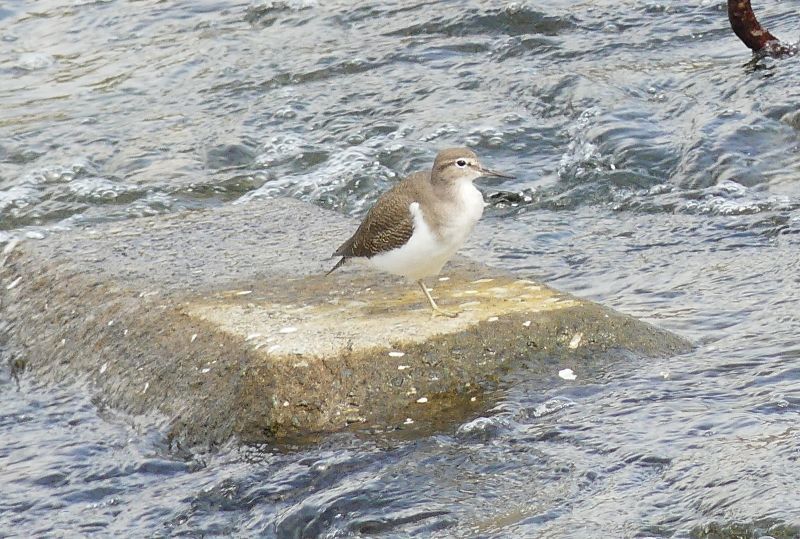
{"x":461,"y":163}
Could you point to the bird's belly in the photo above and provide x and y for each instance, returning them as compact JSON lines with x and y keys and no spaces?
{"x":425,"y":252}
{"x":422,"y":256}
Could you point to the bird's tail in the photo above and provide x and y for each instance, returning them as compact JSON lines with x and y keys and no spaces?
{"x":337,"y":266}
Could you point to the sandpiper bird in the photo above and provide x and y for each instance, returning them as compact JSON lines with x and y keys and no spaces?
{"x":416,"y":226}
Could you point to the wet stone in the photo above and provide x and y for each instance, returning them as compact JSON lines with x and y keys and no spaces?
{"x":261,"y":346}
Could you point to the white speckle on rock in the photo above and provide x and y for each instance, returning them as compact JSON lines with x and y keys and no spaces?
{"x":125,"y":333}
{"x":408,"y":421}
{"x":103,"y":367}
{"x":412,"y":391}
{"x":422,"y":400}
{"x":443,"y":279}
{"x":492,"y":319}
{"x":575,"y":341}
{"x":485,"y":280}
{"x":300,"y":364}
{"x":664,"y":374}
{"x":527,"y":323}
{"x":194,"y":337}
{"x":470,"y":292}
{"x":205,"y":370}
{"x":567,"y":374}
{"x":146,"y":387}
{"x":110,"y":323}
{"x":244,"y":292}
{"x":403,"y":367}
{"x":35,"y":235}
{"x":10,"y":246}
{"x":14,"y":283}
{"x":252,"y":336}
{"x":396,"y":354}
{"x":473,"y":399}
{"x":285,"y":404}
{"x":287,"y":329}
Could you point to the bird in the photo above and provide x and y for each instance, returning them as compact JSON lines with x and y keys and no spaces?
{"x":415,"y":227}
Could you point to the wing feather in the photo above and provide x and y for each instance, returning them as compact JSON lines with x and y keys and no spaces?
{"x":388,"y":225}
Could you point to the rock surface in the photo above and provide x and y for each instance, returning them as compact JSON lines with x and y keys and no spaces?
{"x":221,"y":324}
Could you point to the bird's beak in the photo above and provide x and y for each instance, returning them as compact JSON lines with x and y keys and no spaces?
{"x":493,"y":174}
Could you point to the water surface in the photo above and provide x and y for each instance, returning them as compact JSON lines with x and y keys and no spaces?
{"x":657,"y":172}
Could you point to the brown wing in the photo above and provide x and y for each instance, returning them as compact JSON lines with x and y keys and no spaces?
{"x":387,"y":225}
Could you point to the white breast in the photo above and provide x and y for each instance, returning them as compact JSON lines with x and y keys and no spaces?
{"x":466,"y":212}
{"x":426,"y":252}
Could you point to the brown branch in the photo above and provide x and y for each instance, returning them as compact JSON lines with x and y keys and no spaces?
{"x":749,"y":30}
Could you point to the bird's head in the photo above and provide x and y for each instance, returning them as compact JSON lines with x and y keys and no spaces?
{"x":459,"y":164}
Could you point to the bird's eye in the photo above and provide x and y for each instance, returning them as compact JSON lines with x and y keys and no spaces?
{"x":461,"y":163}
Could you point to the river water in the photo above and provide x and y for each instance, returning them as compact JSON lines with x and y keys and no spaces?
{"x":657,"y":171}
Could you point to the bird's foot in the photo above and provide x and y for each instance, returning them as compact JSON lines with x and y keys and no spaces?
{"x":438,"y":311}
{"x":435,"y":309}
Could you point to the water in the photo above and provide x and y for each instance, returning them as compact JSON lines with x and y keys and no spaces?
{"x":656,"y":173}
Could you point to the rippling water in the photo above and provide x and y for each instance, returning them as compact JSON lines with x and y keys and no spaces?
{"x":657,"y":172}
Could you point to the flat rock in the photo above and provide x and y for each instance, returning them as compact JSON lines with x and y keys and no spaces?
{"x":221,"y":324}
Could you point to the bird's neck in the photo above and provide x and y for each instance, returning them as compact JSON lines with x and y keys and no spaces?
{"x":458,"y":193}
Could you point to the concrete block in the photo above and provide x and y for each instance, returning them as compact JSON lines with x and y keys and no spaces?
{"x":220,"y":324}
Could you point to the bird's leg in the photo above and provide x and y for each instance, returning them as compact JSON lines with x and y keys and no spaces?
{"x":436,"y":309}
